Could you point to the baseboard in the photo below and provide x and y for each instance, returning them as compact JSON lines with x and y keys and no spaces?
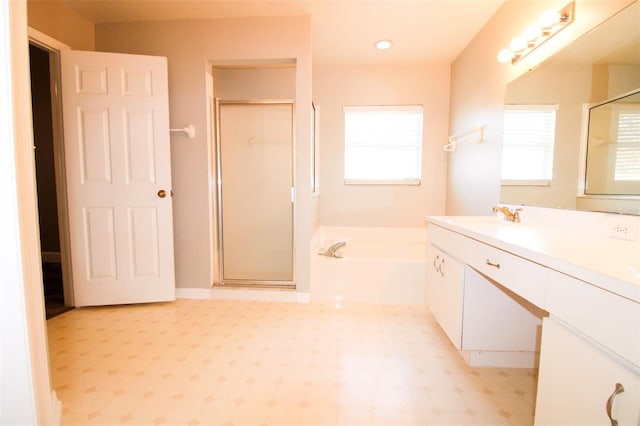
{"x":54,"y":411}
{"x":51,"y":257}
{"x":260,"y":295}
{"x":193,"y":293}
{"x":303,"y":297}
{"x":505,"y":359}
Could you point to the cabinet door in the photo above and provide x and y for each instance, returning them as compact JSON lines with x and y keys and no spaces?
{"x":576,"y":379}
{"x":445,"y":277}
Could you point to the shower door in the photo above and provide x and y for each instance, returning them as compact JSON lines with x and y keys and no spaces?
{"x":255,"y":196}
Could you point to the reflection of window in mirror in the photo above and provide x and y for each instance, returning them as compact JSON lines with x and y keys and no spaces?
{"x":628,"y":147}
{"x":613,"y":147}
{"x":528,"y":142}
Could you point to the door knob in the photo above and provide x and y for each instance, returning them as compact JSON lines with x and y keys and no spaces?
{"x":162,"y":193}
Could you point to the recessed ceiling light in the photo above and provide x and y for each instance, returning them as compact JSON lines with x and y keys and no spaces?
{"x":383,"y":44}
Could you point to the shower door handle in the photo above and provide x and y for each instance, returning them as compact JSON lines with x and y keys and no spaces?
{"x":293,"y":194}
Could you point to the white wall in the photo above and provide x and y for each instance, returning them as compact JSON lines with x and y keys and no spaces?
{"x":59,"y":21}
{"x":477,"y":94}
{"x":189,"y":46}
{"x":335,"y":86}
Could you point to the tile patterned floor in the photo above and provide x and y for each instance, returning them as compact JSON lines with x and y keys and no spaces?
{"x":206,"y":362}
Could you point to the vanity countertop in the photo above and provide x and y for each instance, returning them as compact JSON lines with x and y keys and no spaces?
{"x":609,"y":263}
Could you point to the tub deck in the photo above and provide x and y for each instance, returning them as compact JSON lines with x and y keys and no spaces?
{"x":379,"y":265}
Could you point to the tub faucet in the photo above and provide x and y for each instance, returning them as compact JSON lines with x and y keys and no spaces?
{"x":331,"y":251}
{"x":510,"y":215}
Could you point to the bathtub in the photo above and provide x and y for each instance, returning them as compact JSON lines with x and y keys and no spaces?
{"x":378,"y":265}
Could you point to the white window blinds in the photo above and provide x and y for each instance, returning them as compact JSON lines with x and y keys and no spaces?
{"x":383,"y":144}
{"x":529,"y":137}
{"x":628,"y":147}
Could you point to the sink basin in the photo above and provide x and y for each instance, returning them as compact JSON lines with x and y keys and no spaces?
{"x":476,"y":220}
{"x":494,"y":227}
{"x":494,"y":223}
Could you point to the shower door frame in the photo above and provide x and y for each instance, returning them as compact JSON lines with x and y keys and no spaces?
{"x":219,"y":275}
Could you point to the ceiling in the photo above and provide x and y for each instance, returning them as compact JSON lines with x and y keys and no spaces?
{"x":342,"y":30}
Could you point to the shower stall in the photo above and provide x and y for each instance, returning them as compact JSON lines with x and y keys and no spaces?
{"x":255,"y":195}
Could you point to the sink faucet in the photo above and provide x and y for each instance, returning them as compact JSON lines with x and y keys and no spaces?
{"x":510,"y":215}
{"x":331,"y":251}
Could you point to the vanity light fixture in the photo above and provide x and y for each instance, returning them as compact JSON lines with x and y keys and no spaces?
{"x":549,"y":24}
{"x":383,"y":44}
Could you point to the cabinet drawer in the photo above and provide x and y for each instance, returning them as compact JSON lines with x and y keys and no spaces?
{"x":525,"y":278}
{"x":607,"y":318}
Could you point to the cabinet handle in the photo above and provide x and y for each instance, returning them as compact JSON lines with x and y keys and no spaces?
{"x":438,"y":265}
{"x":495,"y":265}
{"x":618,"y":390}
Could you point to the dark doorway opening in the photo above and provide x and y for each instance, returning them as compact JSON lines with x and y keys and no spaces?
{"x":43,"y":135}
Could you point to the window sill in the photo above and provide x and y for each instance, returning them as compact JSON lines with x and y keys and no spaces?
{"x":403,"y":182}
{"x":610,"y":196}
{"x":533,"y":182}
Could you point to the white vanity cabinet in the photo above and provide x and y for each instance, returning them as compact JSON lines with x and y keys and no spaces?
{"x":590,"y":343}
{"x":444,"y":292}
{"x":585,"y":285}
{"x":577,"y":380}
{"x":607,"y":318}
{"x":482,"y":319}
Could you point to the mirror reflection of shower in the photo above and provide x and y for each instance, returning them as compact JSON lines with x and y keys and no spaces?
{"x":254,"y":157}
{"x":613,"y":147}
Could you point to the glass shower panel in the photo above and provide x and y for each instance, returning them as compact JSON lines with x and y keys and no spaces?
{"x":256,"y":170}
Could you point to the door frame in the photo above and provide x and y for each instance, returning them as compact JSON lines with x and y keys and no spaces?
{"x":33,"y":400}
{"x":219,"y":276}
{"x":54,"y":47}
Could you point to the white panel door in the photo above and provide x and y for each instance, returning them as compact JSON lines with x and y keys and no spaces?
{"x":117,"y":159}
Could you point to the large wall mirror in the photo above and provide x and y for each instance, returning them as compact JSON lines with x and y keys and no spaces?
{"x":591,"y":80}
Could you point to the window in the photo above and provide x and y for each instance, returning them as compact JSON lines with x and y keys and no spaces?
{"x":383,"y":144}
{"x":529,"y":137}
{"x":628,"y":146}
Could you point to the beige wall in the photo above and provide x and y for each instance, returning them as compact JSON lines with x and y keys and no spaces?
{"x":189,"y":47}
{"x":62,"y":23}
{"x":477,"y":94}
{"x":335,"y":86}
{"x":255,"y":83}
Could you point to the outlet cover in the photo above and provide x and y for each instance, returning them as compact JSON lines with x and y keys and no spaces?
{"x":624,"y":230}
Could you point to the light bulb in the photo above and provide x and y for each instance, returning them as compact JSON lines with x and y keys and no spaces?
{"x":518,"y":44}
{"x":383,"y":44}
{"x":549,"y":18}
{"x":505,"y":55}
{"x":532,"y":32}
